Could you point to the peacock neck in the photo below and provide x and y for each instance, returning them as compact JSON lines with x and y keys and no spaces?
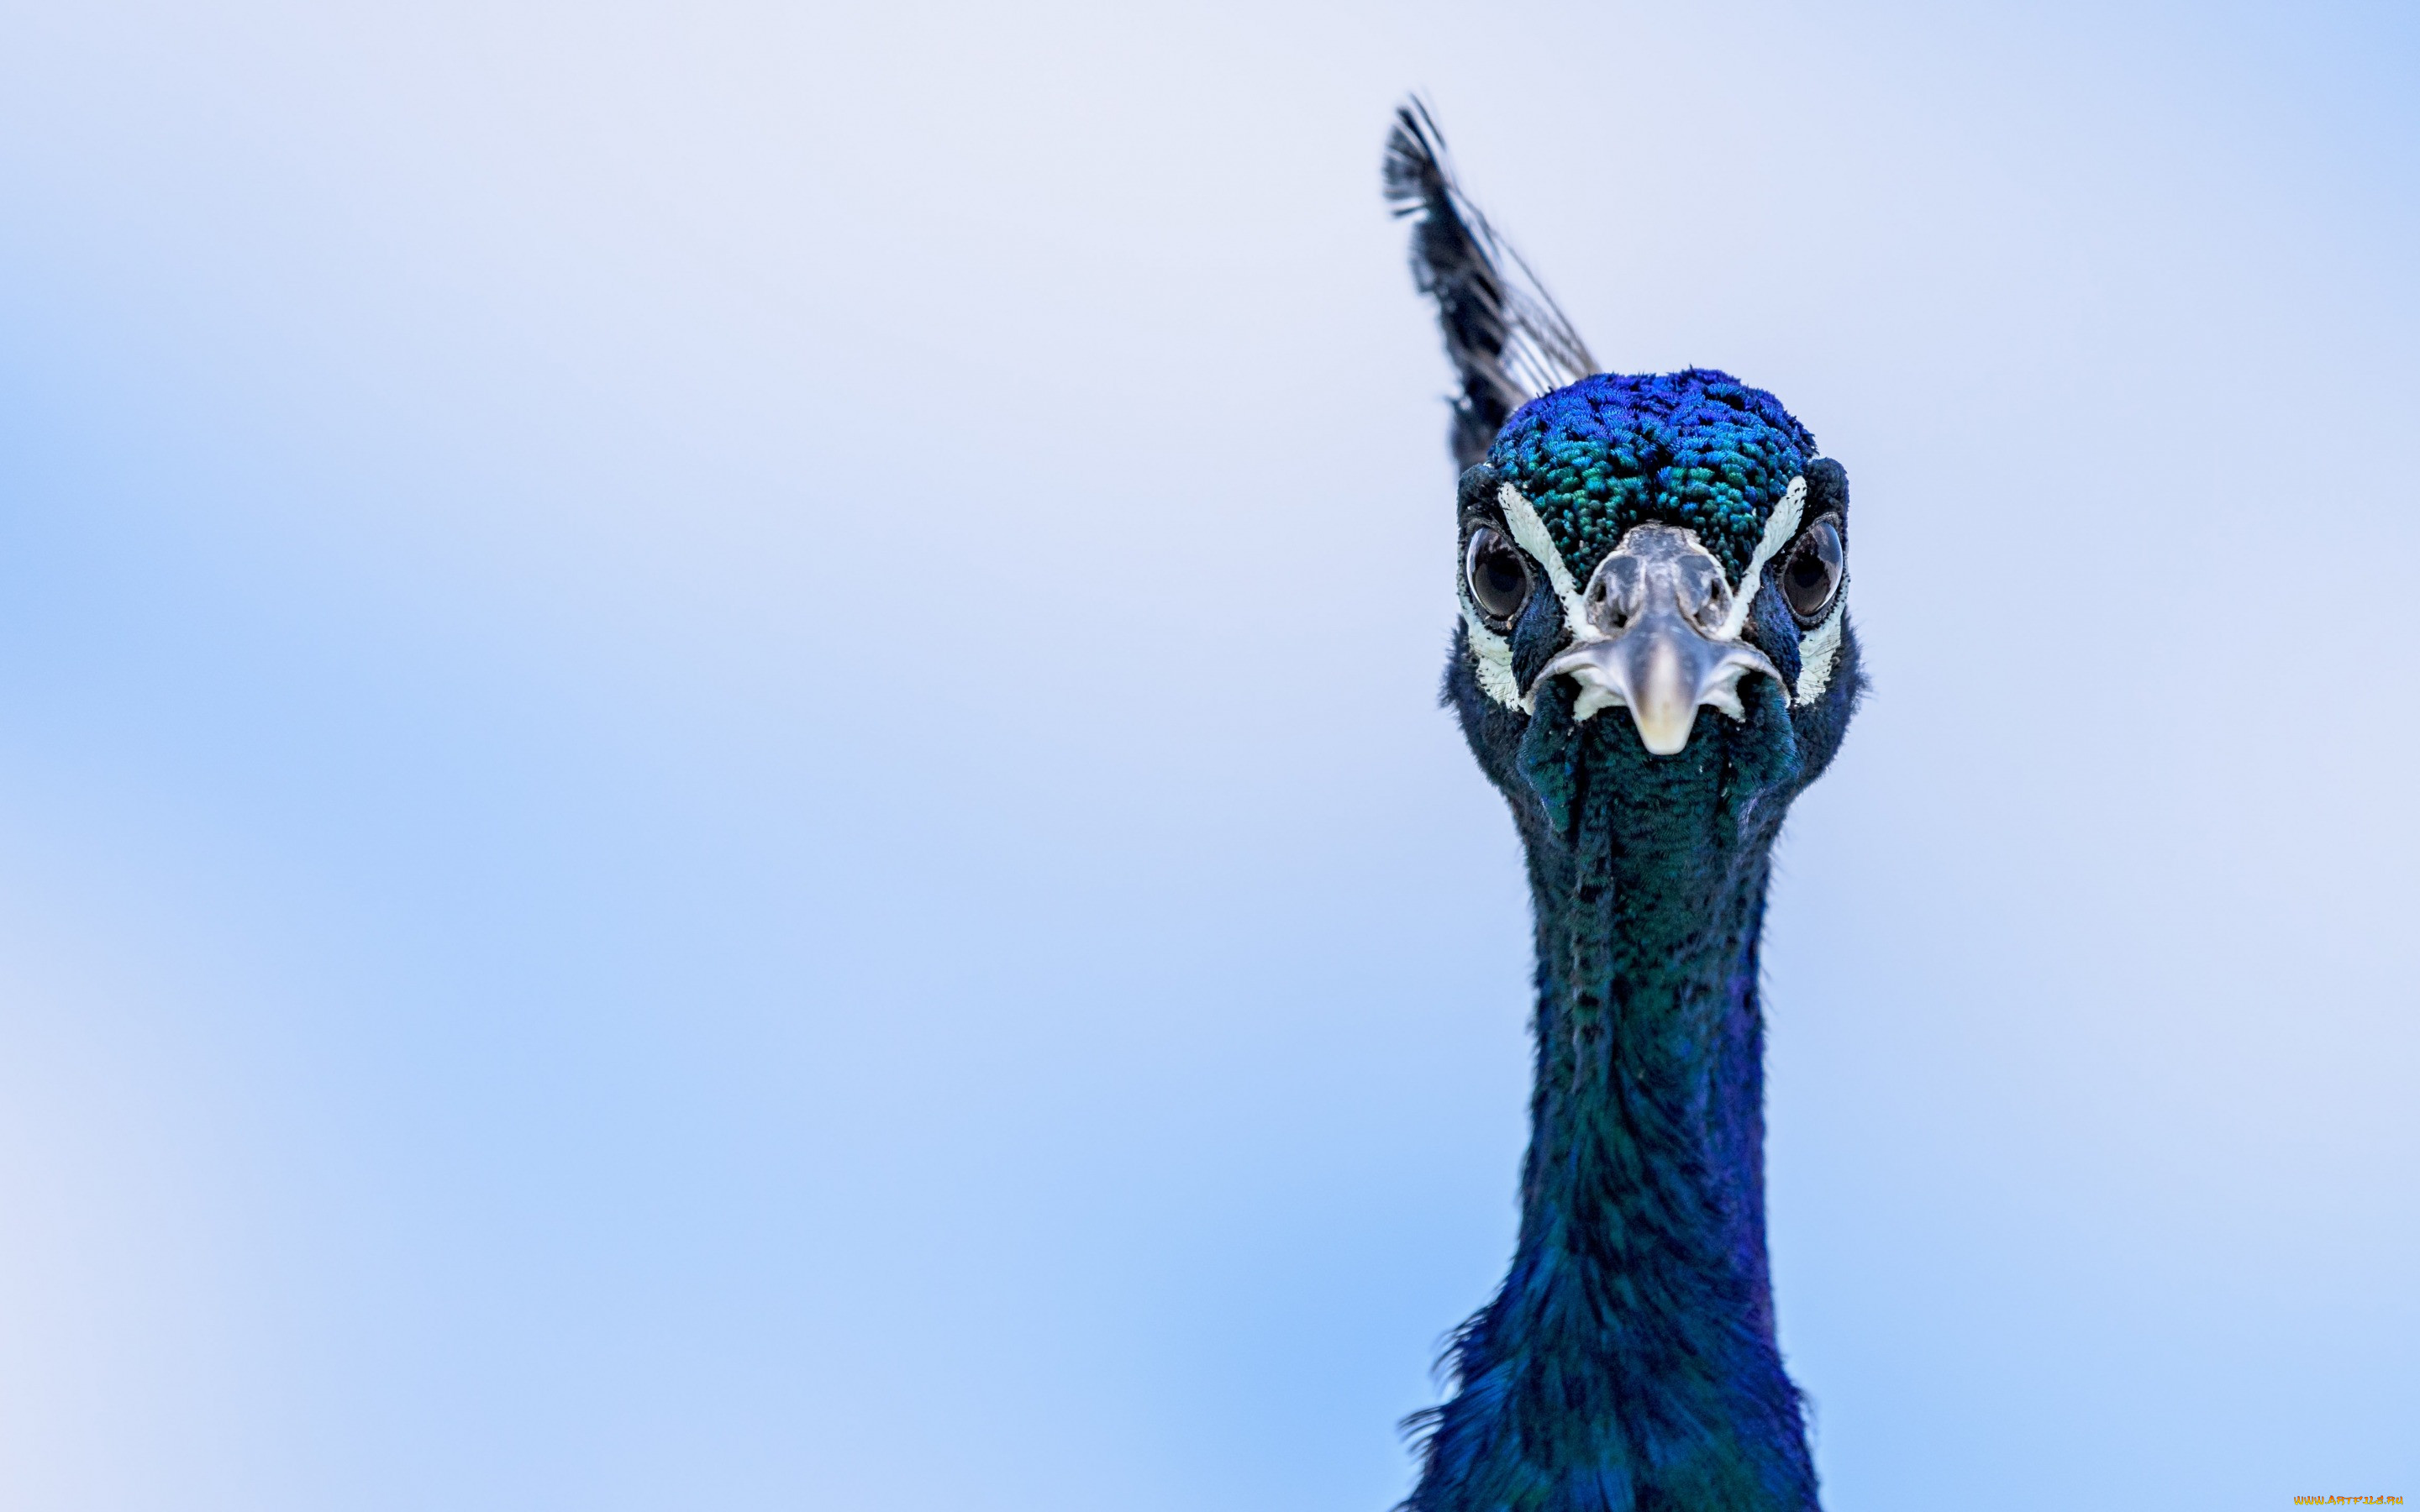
{"x":1646,"y":1163}
{"x":1628,"y":1360}
{"x":1644,"y":1183}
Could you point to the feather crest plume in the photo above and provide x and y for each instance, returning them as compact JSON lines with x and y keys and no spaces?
{"x":1509,"y":341}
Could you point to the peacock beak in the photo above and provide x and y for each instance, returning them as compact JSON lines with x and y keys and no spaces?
{"x":1655,"y":641}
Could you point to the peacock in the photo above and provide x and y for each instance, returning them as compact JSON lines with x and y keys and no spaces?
{"x":1670,"y":546}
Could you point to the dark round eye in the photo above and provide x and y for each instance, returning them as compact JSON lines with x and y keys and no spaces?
{"x":1497,"y":574}
{"x":1811,"y":577}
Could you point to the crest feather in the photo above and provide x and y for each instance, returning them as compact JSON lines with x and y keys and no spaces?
{"x":1509,"y":341}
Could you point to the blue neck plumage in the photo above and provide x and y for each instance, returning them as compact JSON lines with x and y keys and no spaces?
{"x":1629,"y":1361}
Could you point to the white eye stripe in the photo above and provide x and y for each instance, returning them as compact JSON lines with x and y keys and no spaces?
{"x":1778,"y":531}
{"x":1529,"y":535}
{"x":1491,"y":653}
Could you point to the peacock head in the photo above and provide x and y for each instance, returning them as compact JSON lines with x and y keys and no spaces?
{"x":1652,"y":573}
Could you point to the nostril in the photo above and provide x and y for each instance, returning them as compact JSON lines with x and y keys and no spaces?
{"x":1614,"y":593}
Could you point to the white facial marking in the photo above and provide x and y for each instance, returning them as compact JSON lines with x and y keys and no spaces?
{"x":1491,"y":653}
{"x":1491,"y":657}
{"x":1529,"y":535}
{"x":1818,"y":649}
{"x":1778,"y":533}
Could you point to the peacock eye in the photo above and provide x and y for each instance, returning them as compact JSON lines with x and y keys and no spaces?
{"x":1496,"y":574}
{"x":1811,"y":579}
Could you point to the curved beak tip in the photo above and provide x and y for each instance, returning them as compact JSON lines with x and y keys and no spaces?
{"x":1663,"y":674}
{"x":1664,"y":732}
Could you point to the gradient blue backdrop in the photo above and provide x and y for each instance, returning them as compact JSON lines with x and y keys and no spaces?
{"x":718,"y":783}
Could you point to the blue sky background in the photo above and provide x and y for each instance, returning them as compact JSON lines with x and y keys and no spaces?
{"x":720,"y":787}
